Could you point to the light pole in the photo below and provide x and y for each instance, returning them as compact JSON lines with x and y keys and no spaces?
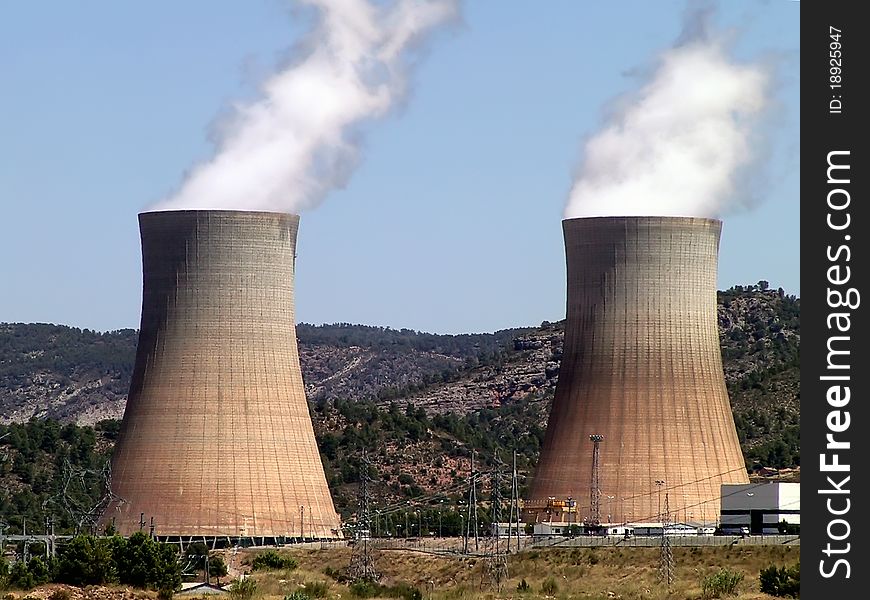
{"x":440,"y":514}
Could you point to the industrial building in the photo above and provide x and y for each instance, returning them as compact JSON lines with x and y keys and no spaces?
{"x":217,"y":438}
{"x":641,"y":426}
{"x":761,"y":507}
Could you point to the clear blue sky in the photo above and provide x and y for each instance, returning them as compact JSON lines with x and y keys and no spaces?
{"x":450,"y":224}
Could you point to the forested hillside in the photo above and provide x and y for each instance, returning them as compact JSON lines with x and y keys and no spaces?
{"x":420,"y":402}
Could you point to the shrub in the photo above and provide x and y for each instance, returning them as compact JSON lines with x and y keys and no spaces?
{"x":20,"y":577}
{"x":165,"y":593}
{"x":39,"y":570}
{"x":364,"y":588}
{"x":722,"y":583}
{"x":335,"y":574}
{"x":243,"y":589}
{"x":316,"y":589}
{"x":404,"y":591}
{"x":781,"y":581}
{"x":25,"y":576}
{"x":60,"y":594}
{"x":272,"y":561}
{"x":523,"y":587}
{"x":297,"y":595}
{"x":549,"y":587}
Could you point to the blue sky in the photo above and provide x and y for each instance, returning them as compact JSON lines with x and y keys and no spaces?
{"x":451,"y":222}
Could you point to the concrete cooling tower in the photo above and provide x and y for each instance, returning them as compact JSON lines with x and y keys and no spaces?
{"x":217,"y":437}
{"x":642,"y":374}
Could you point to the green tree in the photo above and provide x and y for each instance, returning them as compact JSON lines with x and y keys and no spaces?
{"x":86,"y":560}
{"x":146,"y":563}
{"x":195,"y":553}
{"x":217,"y":568}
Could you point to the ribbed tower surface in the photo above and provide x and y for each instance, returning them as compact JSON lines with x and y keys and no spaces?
{"x":217,"y":437}
{"x":641,"y":366}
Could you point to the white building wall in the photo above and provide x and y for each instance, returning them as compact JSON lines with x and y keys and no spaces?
{"x":739,"y":501}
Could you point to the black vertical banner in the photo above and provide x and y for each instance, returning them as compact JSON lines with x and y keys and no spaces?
{"x":835,"y":57}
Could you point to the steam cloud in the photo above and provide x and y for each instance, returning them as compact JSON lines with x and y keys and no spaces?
{"x":678,"y":144}
{"x":286,"y":151}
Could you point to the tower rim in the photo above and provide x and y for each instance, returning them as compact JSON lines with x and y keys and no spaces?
{"x":640,"y":218}
{"x":217,"y":211}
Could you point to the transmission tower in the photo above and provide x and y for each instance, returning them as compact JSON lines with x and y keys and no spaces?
{"x":666,"y":560}
{"x":514,"y":513}
{"x":471,"y":511}
{"x":495,"y":569}
{"x":79,"y":482}
{"x":595,"y":486}
{"x":362,"y":560}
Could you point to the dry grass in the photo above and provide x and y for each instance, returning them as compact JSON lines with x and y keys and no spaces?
{"x":600,"y":573}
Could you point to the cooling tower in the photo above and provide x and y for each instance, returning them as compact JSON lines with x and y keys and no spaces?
{"x":642,"y":367}
{"x":217,"y":437}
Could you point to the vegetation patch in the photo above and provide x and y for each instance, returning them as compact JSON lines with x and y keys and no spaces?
{"x":722,"y":583}
{"x":783,"y":582}
{"x":270,"y":560}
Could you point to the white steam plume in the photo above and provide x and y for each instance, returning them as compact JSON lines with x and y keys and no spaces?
{"x":676,"y":146}
{"x":287,"y":150}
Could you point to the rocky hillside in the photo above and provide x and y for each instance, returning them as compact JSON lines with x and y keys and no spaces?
{"x":82,"y":376}
{"x":68,"y":374}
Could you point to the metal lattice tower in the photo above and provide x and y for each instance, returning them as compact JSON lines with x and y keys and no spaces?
{"x":495,"y":571}
{"x":666,"y":560}
{"x":514,"y":514}
{"x":362,"y":560}
{"x":471,"y":513}
{"x":595,"y":487}
{"x":495,"y":498}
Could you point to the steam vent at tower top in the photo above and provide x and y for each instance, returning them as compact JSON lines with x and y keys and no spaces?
{"x":217,"y":438}
{"x":642,"y":374}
